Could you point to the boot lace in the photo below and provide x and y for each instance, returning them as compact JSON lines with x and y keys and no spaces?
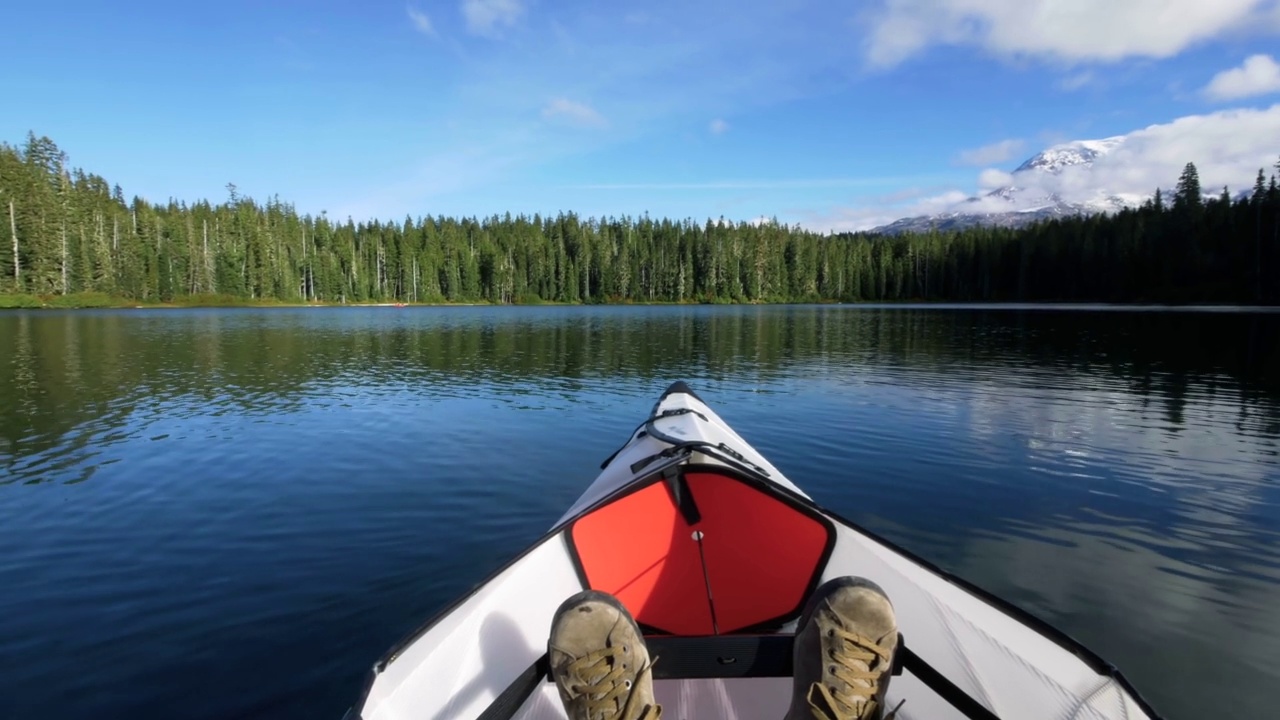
{"x":604,"y":694}
{"x":851,"y":658}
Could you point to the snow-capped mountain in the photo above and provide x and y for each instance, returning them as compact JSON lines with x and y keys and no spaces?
{"x":1053,"y":183}
{"x":1080,"y":152}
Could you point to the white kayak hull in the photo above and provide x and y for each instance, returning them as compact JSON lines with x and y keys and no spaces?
{"x":713,"y":550}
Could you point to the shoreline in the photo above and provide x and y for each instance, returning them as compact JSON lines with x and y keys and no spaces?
{"x":95,"y":301}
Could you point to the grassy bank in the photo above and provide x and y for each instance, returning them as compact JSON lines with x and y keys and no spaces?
{"x":101,"y":300}
{"x":74,"y":300}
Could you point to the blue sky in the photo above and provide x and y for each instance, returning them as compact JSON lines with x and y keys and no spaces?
{"x":827,"y":114}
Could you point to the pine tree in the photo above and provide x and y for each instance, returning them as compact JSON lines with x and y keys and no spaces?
{"x":65,"y":231}
{"x":1188,"y":194}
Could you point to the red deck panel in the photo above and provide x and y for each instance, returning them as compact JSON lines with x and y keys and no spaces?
{"x":761,"y":555}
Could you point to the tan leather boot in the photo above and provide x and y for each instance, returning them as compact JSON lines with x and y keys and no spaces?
{"x":845,"y":643}
{"x":599,"y":660}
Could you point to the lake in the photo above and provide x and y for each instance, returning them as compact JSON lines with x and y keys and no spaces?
{"x":233,"y":513}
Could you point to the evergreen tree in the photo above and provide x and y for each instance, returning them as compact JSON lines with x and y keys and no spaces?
{"x":1188,"y":194}
{"x":66,"y":231}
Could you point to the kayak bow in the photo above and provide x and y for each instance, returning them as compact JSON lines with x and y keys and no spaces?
{"x":714,"y":551}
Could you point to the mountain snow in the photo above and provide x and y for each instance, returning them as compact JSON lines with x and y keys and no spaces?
{"x":1080,"y":152}
{"x":1090,"y":176}
{"x":1053,"y":183}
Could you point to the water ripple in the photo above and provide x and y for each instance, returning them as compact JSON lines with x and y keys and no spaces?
{"x":185,"y":493}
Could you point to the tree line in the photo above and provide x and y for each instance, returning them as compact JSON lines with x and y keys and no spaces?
{"x":72,"y":232}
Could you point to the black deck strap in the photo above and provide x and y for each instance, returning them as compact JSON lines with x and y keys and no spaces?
{"x":507,"y":704}
{"x":742,"y":459}
{"x":676,"y":412}
{"x":946,"y":689}
{"x":684,"y":448}
{"x":664,"y":414}
{"x":730,"y":656}
{"x":679,"y":658}
{"x":682,"y":495}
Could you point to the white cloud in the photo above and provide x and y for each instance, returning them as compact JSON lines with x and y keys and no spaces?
{"x":718,"y":127}
{"x":421,"y":22}
{"x":1259,"y":75}
{"x":487,"y":17}
{"x":990,"y":179}
{"x":1227,"y":147}
{"x":854,"y":219}
{"x":992,"y":154}
{"x":1062,"y":30}
{"x":575,"y":113}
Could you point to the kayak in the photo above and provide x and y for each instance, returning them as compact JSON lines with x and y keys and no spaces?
{"x":714,"y":552}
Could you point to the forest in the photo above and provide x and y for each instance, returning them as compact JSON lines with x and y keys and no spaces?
{"x":70,"y":235}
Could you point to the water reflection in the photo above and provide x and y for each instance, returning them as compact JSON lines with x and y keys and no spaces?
{"x":76,"y":378}
{"x":336,"y":475}
{"x":1127,"y":593}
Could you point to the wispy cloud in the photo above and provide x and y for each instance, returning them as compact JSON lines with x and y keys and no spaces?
{"x":718,"y":127}
{"x":875,"y":214}
{"x":779,"y":184}
{"x":575,"y":113}
{"x":635,"y":79}
{"x":1076,"y":81}
{"x":1259,"y":75}
{"x":992,"y":154}
{"x":515,"y":99}
{"x":564,"y":38}
{"x":907,"y":194}
{"x":489,"y":17}
{"x":1056,"y":30}
{"x":421,"y":22}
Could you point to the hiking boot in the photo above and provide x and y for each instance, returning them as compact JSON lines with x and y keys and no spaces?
{"x":599,"y":660}
{"x":844,"y":648}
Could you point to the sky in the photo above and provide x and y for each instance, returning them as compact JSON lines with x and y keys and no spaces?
{"x":830,"y":115}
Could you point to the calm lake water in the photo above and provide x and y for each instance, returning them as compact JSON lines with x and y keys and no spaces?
{"x":233,"y":513}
